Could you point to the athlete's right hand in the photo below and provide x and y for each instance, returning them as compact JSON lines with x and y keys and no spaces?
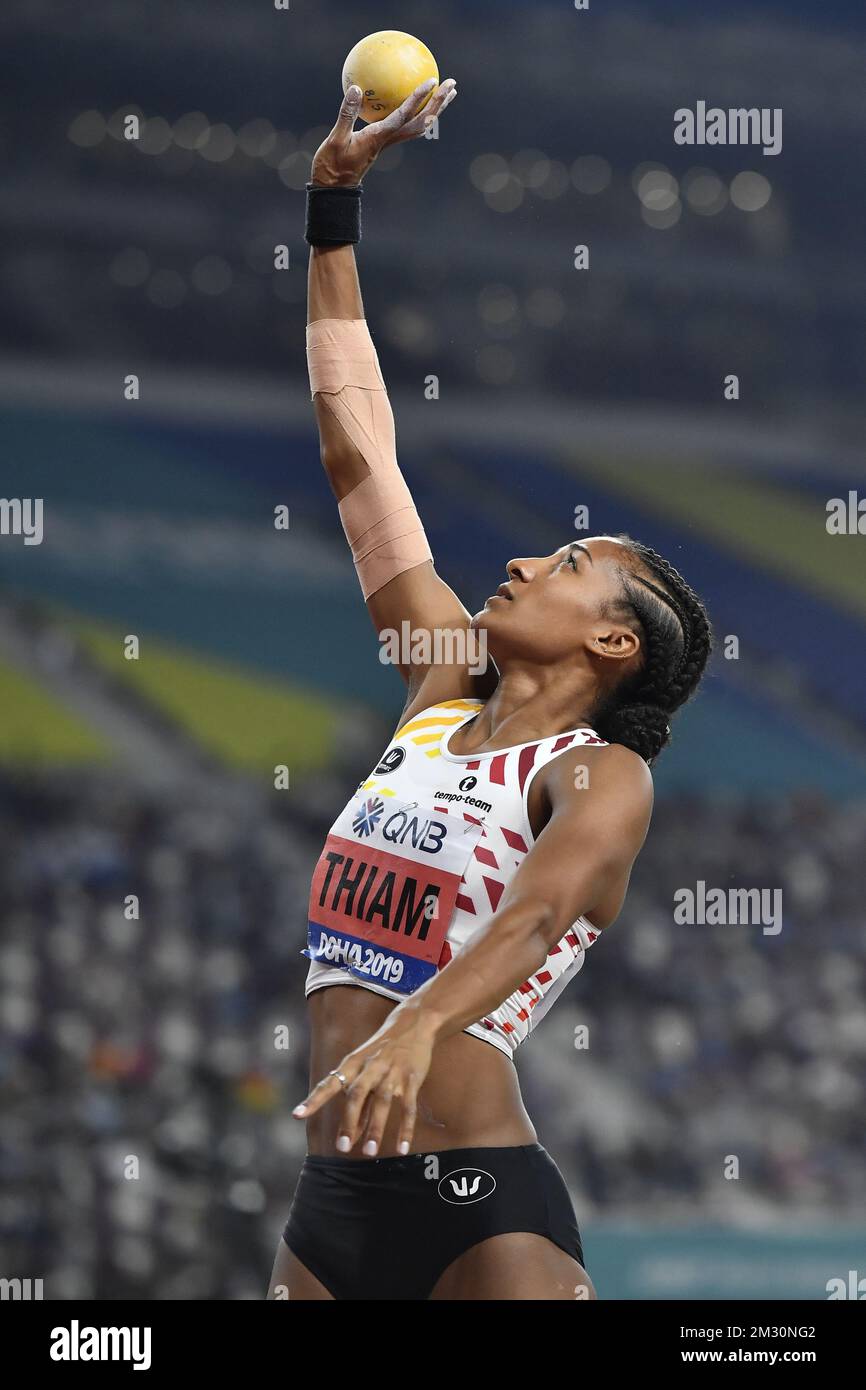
{"x":347,"y":154}
{"x":388,"y":1069}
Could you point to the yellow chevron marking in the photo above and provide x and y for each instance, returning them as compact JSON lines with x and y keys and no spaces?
{"x":371,"y":786}
{"x":427,"y":738}
{"x":426,"y":724}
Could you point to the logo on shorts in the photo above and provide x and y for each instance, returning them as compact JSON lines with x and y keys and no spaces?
{"x":368,"y":816}
{"x":465,"y":1185}
{"x":391,"y":761}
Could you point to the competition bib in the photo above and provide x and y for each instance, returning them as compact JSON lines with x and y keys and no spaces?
{"x":384,"y":889}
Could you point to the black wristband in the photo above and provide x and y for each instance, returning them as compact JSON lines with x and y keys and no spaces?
{"x":333,"y":215}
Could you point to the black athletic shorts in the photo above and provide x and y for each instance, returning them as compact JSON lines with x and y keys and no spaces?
{"x":387,"y":1228}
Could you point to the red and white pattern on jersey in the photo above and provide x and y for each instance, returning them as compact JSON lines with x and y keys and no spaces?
{"x":496,"y":859}
{"x":502,"y":779}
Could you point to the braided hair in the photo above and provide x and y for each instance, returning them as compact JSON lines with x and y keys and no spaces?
{"x":677,"y":637}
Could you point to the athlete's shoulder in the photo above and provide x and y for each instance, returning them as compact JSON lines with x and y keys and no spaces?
{"x":607,"y":767}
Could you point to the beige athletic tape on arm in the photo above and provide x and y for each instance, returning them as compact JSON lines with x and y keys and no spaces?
{"x":379,"y":517}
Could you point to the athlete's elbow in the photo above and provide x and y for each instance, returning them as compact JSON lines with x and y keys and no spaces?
{"x":530,"y":917}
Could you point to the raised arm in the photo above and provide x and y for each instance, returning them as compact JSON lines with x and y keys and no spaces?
{"x":356,"y":423}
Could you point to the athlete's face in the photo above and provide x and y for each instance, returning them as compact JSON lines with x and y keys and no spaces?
{"x":551,"y":606}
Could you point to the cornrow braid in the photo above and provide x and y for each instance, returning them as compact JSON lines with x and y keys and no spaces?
{"x":677,"y":640}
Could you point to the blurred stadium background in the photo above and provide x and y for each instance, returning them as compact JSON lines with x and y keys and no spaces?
{"x":155,"y":1037}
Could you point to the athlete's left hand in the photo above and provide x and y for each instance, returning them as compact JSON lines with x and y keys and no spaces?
{"x":390,"y":1067}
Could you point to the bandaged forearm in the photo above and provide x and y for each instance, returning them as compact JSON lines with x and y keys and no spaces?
{"x":379,"y":517}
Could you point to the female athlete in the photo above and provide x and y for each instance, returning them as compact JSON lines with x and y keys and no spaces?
{"x":462,"y":885}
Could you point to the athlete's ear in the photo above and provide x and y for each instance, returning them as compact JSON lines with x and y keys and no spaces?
{"x":615,"y":642}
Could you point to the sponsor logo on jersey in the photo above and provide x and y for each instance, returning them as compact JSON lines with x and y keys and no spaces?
{"x":467,"y":784}
{"x":421,"y":831}
{"x":368,"y":816}
{"x":466,"y":1185}
{"x":390,"y":762}
{"x":381,"y":909}
{"x":469,"y":800}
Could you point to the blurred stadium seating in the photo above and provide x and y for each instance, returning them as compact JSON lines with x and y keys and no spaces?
{"x":155,"y":1038}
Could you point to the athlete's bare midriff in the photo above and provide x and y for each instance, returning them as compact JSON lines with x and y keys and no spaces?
{"x":470,"y":1099}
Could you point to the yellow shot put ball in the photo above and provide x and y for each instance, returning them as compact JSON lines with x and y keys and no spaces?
{"x":387,"y":66}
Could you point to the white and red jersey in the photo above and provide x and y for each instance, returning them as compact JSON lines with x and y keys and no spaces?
{"x":435,"y":827}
